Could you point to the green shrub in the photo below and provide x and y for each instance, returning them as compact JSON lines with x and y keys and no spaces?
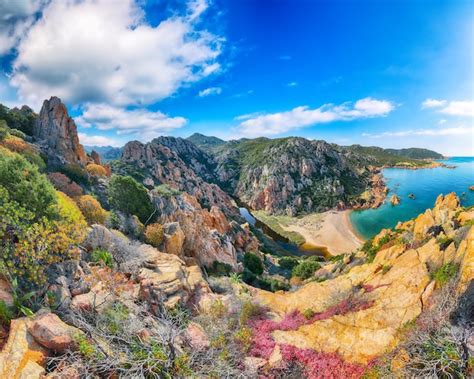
{"x":270,"y":284}
{"x":219,"y":269}
{"x":305,"y":269}
{"x":17,"y":133}
{"x":308,"y":313}
{"x":445,"y":273}
{"x":26,"y":185}
{"x":102,"y":256}
{"x":127,"y":195}
{"x":253,"y":263}
{"x":165,"y":190}
{"x":287,"y":263}
{"x":76,"y":173}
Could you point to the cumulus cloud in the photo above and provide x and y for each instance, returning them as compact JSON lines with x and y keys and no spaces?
{"x":269,"y":124}
{"x":452,"y":108}
{"x":97,"y":140}
{"x":452,"y":131}
{"x":142,"y":122}
{"x":105,"y":51}
{"x":210,"y":91}
{"x":15,"y":18}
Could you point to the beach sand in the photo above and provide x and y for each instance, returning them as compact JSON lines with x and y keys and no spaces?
{"x":332,"y":229}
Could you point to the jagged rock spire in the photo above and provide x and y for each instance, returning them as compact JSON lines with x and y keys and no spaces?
{"x":56,"y":132}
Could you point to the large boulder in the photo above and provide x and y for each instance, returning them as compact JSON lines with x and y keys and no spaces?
{"x":52,"y":333}
{"x":173,"y":238}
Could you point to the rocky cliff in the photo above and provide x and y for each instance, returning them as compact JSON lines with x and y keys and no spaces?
{"x":179,"y":164}
{"x":56,"y":133}
{"x":292,"y":175}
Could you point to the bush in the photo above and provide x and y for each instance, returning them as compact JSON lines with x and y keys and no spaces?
{"x":91,"y":209}
{"x":26,"y":185}
{"x":445,"y":273}
{"x":29,"y":245}
{"x":76,"y":173}
{"x":17,"y":145}
{"x":165,"y":190}
{"x":253,"y":263}
{"x":219,"y":269}
{"x":96,"y":170}
{"x":127,"y":195}
{"x":62,"y":183}
{"x":154,"y":234}
{"x":288,"y":263}
{"x":305,"y":269}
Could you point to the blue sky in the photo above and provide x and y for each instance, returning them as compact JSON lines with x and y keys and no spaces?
{"x":386,"y":73}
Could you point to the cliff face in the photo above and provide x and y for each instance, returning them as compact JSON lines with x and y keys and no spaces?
{"x":56,"y":133}
{"x":179,"y":164}
{"x":292,"y":175}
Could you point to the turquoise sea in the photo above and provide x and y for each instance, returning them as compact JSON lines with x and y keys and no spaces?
{"x":425,"y":184}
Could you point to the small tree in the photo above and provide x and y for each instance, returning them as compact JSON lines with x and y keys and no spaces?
{"x":129,"y":196}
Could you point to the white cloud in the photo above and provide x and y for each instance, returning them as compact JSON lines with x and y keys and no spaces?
{"x":451,"y":131}
{"x":270,"y":124}
{"x":432,"y":103}
{"x":84,"y":139}
{"x":459,"y":108}
{"x":292,"y":84}
{"x":105,"y":51}
{"x":16,"y":16}
{"x":442,"y":121}
{"x":210,"y":91}
{"x":452,"y":108}
{"x":143,"y":123}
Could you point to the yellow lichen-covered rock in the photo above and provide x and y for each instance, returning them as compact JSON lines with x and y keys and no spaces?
{"x":467,"y":265}
{"x":21,"y":357}
{"x":466,"y":216}
{"x":423,"y":223}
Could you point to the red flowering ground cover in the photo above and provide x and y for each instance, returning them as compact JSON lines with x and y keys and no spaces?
{"x":317,"y":365}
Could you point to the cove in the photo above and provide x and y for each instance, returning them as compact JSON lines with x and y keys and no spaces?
{"x":425,"y":185}
{"x":302,"y":250}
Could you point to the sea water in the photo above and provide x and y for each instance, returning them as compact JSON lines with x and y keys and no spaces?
{"x":425,"y":185}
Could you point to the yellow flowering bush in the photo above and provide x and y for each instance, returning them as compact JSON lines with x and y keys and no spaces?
{"x":91,"y":209}
{"x":96,"y":170}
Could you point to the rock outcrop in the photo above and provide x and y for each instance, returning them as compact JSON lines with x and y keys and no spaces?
{"x":394,"y":200}
{"x":208,"y":235}
{"x":182,"y":166}
{"x":395,"y":288}
{"x":160,"y":276}
{"x":56,"y":133}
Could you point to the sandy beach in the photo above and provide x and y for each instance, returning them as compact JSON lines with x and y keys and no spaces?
{"x":331,"y":229}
